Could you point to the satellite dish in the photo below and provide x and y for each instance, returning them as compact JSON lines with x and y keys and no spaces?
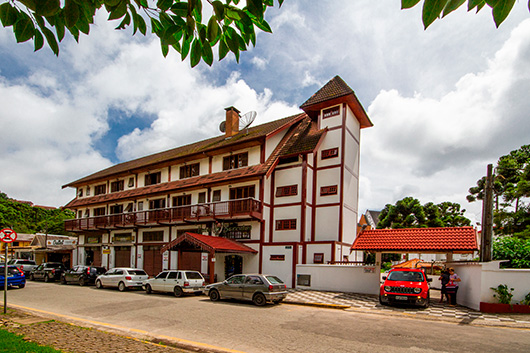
{"x":246,"y":119}
{"x":222,"y":126}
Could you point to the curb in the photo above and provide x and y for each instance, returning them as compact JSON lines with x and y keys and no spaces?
{"x":319,"y":305}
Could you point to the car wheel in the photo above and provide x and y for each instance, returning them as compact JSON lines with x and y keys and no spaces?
{"x":63,"y":280}
{"x":259,"y":299}
{"x":82,"y":281}
{"x":31,"y":277}
{"x":214,"y":295}
{"x":148,"y":289}
{"x":98,"y":284}
{"x":46,"y":278}
{"x":427,"y":302}
{"x":381,"y":301}
{"x":21,"y":285}
{"x":178,"y":291}
{"x":277,"y":301}
{"x":121,"y":287}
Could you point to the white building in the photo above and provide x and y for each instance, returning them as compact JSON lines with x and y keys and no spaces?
{"x":262,"y":199}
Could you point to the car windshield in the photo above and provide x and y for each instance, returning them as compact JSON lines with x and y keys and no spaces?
{"x":137,"y":272}
{"x":193,"y":275}
{"x":274,"y":280}
{"x":51,"y":265}
{"x":10,"y":270}
{"x":412,"y":276}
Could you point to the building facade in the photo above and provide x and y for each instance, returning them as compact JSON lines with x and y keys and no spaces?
{"x":262,"y":199}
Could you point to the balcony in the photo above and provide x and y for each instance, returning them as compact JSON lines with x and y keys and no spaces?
{"x":223,"y":210}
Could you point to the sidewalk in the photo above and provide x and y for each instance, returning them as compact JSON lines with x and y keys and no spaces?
{"x":436,"y":311}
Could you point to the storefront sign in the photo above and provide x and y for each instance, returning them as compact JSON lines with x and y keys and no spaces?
{"x":123,"y":238}
{"x":60,"y":242}
{"x":105,"y":249}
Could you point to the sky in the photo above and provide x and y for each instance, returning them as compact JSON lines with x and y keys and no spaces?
{"x":445,"y":101}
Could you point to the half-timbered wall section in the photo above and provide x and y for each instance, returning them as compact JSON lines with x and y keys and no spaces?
{"x":286,"y":189}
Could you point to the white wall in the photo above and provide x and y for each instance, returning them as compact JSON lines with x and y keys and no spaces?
{"x":343,"y":278}
{"x":282,"y":269}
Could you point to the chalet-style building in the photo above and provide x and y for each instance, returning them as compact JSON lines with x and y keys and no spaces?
{"x":261,"y":199}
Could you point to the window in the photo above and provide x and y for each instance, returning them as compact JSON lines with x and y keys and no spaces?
{"x":154,"y":204}
{"x":328,"y":113}
{"x":80,"y":192}
{"x":288,"y":160}
{"x":131,"y":182}
{"x":202,"y":197}
{"x":328,"y":190}
{"x":154,"y":236}
{"x":331,"y":153}
{"x":80,"y":214}
{"x":129,"y":207}
{"x":242,"y":192}
{"x":277,"y":258}
{"x":216,"y":196}
{"x":100,"y":189}
{"x":318,"y":258}
{"x":189,"y":171}
{"x":116,"y":186}
{"x":100,"y":211}
{"x":290,"y":190}
{"x":140,"y":205}
{"x":153,"y":178}
{"x":286,"y":224}
{"x":88,"y":191}
{"x":182,"y":200}
{"x":87,"y":213}
{"x":172,"y":275}
{"x":116,"y":209}
{"x":235,"y":161}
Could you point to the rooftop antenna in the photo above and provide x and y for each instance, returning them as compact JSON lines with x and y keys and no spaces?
{"x":222,"y":126}
{"x":246,"y":120}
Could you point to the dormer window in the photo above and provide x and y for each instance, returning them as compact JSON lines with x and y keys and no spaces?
{"x":116,"y":186}
{"x":153,"y":178}
{"x":333,"y":111}
{"x":188,"y":171}
{"x":100,"y":189}
{"x":235,"y":161}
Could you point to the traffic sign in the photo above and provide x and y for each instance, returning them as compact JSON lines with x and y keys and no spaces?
{"x":8,"y":235}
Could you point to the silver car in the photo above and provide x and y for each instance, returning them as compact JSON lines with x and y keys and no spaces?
{"x":122,"y":277}
{"x":176,"y":281}
{"x":257,"y":288}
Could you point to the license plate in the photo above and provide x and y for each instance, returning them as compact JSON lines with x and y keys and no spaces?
{"x":401,"y":297}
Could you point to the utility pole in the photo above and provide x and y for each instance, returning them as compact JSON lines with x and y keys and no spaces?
{"x":487,"y":218}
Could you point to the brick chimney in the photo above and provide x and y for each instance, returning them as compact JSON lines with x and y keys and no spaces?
{"x":232,"y":121}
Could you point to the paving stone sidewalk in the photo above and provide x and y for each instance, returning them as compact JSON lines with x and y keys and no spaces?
{"x":370,"y":303}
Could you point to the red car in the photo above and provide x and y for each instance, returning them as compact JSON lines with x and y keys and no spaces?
{"x":405,"y":286}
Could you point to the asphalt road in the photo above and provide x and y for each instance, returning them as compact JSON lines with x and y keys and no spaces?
{"x":244,"y":327}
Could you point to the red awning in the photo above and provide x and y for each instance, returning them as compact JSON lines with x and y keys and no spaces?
{"x":422,"y":240}
{"x":209,"y":243}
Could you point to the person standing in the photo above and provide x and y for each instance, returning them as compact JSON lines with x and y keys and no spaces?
{"x":452,"y":286}
{"x":444,"y":278}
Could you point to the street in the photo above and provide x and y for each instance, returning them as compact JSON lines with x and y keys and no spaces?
{"x":244,"y":327}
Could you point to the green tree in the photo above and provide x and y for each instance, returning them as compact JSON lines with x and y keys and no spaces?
{"x":410,"y":213}
{"x":23,"y":217}
{"x":511,"y":191}
{"x":515,"y":250}
{"x":434,"y":9}
{"x":178,"y":24}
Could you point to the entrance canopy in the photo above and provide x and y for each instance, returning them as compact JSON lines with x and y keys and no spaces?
{"x":418,"y":240}
{"x":206,"y":243}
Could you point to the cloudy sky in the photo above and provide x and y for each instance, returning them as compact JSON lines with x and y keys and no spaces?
{"x":445,"y":102}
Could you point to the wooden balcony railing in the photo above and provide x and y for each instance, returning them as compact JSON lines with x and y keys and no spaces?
{"x":223,"y":210}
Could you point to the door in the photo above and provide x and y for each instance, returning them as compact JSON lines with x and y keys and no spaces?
{"x":152,"y":260}
{"x":122,"y":256}
{"x":70,"y":275}
{"x":233,"y":265}
{"x":233,"y":287}
{"x":159,"y":282}
{"x":171,"y":280}
{"x":252,"y":285}
{"x":190,"y":261}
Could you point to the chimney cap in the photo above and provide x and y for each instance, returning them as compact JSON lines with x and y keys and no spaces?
{"x":232,"y":108}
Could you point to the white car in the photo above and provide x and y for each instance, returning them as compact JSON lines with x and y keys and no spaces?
{"x":122,"y":277}
{"x":177,"y":282}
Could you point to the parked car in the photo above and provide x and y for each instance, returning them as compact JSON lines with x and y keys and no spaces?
{"x":258,"y":288}
{"x":405,"y":286}
{"x":123,"y":278}
{"x":15,"y":276}
{"x":82,"y":274}
{"x":25,"y":265}
{"x":48,"y":271}
{"x":177,"y":282}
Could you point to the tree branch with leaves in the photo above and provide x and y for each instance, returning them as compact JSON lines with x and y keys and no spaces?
{"x":178,"y":24}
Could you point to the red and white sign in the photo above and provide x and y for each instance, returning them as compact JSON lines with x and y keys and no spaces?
{"x":8,"y":235}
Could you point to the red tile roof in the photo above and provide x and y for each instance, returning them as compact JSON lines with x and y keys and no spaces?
{"x":458,"y":239}
{"x":336,"y":87}
{"x":210,"y":244}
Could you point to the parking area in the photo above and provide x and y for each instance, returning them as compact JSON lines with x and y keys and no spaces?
{"x":370,"y":303}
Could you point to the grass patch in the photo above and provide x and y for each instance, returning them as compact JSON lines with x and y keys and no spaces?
{"x":12,"y":343}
